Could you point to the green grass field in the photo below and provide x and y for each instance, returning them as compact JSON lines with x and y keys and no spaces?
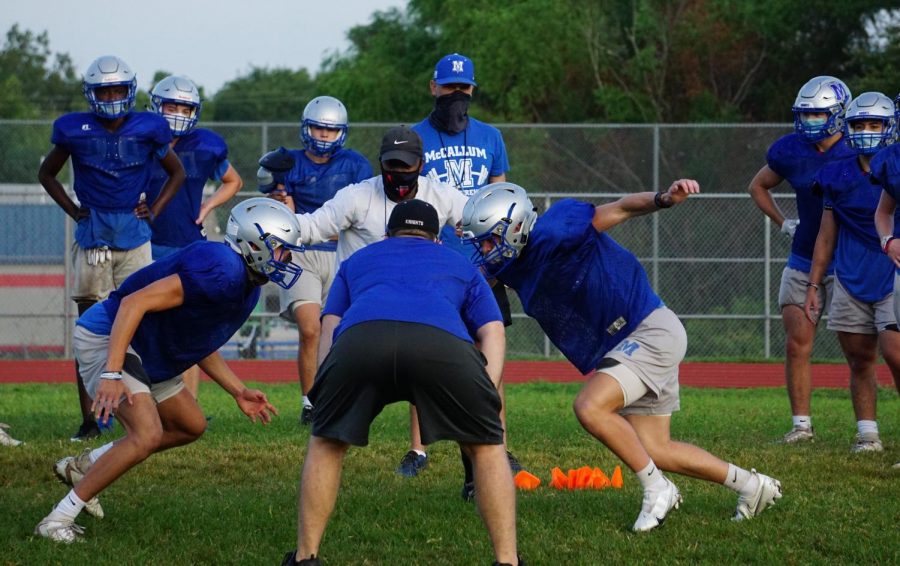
{"x":230,"y":498}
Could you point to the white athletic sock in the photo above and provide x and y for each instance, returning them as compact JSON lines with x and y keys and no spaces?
{"x":306,"y":402}
{"x":651,"y":477}
{"x":739,"y":480}
{"x":95,"y":454}
{"x":867,"y":427}
{"x":802,"y":421}
{"x":421,"y":453}
{"x":69,"y":507}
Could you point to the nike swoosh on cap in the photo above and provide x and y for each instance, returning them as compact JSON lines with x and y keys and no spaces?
{"x":397,"y":142}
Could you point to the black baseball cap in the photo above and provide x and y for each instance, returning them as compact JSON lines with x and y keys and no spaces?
{"x":401,"y":143}
{"x":414,"y":215}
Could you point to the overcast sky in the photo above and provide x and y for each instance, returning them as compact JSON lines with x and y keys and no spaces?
{"x":211,"y":41}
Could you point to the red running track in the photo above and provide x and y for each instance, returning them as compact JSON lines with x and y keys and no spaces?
{"x":693,"y":374}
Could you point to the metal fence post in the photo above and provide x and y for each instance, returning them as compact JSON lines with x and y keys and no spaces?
{"x":767,"y":284}
{"x":68,"y":314}
{"x":264,"y":137}
{"x":655,"y":217}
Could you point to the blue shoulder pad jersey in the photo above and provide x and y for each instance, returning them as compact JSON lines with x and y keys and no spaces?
{"x":798,"y":162}
{"x":412,"y":280}
{"x":465,"y":161}
{"x":218,"y":298}
{"x":859,"y":263}
{"x":112,"y":169}
{"x":585,"y":290}
{"x":312,"y":184}
{"x":204,"y":155}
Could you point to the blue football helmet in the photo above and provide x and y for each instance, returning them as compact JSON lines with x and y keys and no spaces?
{"x":870,"y":106}
{"x":501,"y":212}
{"x":325,"y":112}
{"x":177,"y":90}
{"x":823,"y":94}
{"x":256,"y":228}
{"x":104,"y":72}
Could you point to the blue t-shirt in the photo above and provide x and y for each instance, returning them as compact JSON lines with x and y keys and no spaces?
{"x":112,"y":169}
{"x":312,"y":184}
{"x":585,"y":290}
{"x":798,"y":162}
{"x":205,"y":157}
{"x":885,"y":166}
{"x":465,"y":161}
{"x":218,"y":298}
{"x":412,"y":280}
{"x":859,"y":263}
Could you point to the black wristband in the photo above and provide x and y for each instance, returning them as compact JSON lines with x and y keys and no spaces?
{"x":813,"y":285}
{"x":658,"y":201}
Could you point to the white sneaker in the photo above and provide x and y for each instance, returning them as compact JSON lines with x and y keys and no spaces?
{"x":866,"y":443}
{"x":59,"y":530}
{"x":70,"y":470}
{"x":656,"y":506}
{"x":768,"y":490}
{"x":5,"y":438}
{"x":798,"y":434}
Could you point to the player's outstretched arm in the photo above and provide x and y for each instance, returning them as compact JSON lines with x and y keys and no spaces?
{"x":252,"y":402}
{"x":491,"y":340}
{"x":611,"y":214}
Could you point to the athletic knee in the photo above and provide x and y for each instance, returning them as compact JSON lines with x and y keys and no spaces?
{"x":591,"y":410}
{"x":798,"y":347}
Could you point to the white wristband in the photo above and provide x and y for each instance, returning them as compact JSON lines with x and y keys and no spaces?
{"x":111,"y":375}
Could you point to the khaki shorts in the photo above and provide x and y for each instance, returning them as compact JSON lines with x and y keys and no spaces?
{"x":96,"y":282}
{"x":650,"y":355}
{"x":91,"y":351}
{"x":849,"y":314}
{"x":313,"y":284}
{"x":793,"y":289}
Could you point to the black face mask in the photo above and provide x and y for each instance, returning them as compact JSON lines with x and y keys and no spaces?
{"x":451,"y":112}
{"x":399,"y":185}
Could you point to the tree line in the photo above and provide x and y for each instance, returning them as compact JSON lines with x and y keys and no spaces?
{"x":543,"y":61}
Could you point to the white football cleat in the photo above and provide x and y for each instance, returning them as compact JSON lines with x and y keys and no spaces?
{"x":656,"y":506}
{"x":59,"y":530}
{"x":798,"y":434}
{"x":5,"y":438}
{"x":767,"y":492}
{"x":70,"y":470}
{"x":867,"y":443}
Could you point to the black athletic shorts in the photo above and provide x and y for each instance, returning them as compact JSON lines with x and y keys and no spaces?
{"x":373,"y":364}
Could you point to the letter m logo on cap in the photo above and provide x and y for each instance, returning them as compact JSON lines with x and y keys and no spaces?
{"x":457,"y":66}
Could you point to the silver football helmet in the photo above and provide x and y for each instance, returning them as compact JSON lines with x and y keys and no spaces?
{"x":256,"y":229}
{"x":501,"y":212}
{"x":177,"y":90}
{"x":870,"y":106}
{"x":105,"y":72}
{"x":325,"y":112}
{"x":823,"y":94}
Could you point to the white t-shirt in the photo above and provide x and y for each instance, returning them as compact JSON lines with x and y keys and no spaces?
{"x":358,"y":214}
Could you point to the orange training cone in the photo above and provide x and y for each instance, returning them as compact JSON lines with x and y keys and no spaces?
{"x":616,"y":480}
{"x":583,"y":477}
{"x":526,"y":480}
{"x":599,"y":480}
{"x":558,"y":479}
{"x":572,"y":478}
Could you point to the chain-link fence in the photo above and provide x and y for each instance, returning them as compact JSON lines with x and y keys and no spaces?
{"x":716,"y":261}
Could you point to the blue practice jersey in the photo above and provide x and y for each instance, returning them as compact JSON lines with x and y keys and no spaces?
{"x":859,"y":263}
{"x":412,"y":280}
{"x":312,"y":184}
{"x":885,"y":167}
{"x":465,"y":161}
{"x":585,"y":290}
{"x":204,"y":155}
{"x":112,"y":169}
{"x":798,"y":162}
{"x":218,"y":298}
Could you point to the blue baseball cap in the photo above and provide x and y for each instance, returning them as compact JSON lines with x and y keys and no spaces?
{"x":453,"y":69}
